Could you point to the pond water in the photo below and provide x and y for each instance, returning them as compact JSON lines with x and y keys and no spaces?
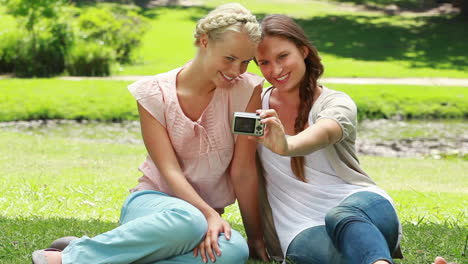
{"x":375,"y":137}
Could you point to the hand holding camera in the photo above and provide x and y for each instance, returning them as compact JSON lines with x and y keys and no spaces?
{"x":269,"y":131}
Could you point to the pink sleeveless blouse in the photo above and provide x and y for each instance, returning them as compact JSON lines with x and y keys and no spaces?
{"x":204,"y":148}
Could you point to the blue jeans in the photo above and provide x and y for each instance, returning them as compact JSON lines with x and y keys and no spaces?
{"x":154,"y":228}
{"x":360,"y":230}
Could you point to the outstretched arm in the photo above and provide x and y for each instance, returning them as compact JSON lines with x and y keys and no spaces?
{"x":319,"y":135}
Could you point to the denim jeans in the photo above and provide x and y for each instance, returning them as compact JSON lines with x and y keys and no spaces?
{"x":362,"y":229}
{"x":154,"y":228}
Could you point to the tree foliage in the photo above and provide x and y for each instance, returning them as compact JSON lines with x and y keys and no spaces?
{"x":33,"y":10}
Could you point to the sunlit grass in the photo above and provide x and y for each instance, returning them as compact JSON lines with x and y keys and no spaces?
{"x":57,"y":185}
{"x":32,"y":99}
{"x":351,"y":43}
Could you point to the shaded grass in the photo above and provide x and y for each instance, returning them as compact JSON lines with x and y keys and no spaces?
{"x":54,"y":186}
{"x":351,"y":43}
{"x":32,"y":99}
{"x":404,"y":4}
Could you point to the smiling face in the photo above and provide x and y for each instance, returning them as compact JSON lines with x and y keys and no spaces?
{"x":281,"y":62}
{"x":225,"y":59}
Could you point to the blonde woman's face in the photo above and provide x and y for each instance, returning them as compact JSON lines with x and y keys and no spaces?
{"x":281,"y":62}
{"x":227,"y":58}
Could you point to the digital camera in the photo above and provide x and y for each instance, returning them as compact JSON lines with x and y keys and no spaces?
{"x":247,"y":124}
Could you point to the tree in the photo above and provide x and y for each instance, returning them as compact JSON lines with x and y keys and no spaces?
{"x":33,"y":10}
{"x":43,"y":37}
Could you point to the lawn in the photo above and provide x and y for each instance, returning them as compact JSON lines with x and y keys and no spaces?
{"x":55,"y":185}
{"x":31,"y":99}
{"x":73,"y":182}
{"x":351,"y":43}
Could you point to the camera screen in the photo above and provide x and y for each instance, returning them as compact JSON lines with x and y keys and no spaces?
{"x":245,"y":125}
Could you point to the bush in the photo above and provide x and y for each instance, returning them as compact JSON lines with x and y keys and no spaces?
{"x":119,"y":27}
{"x":90,"y":59}
{"x":43,"y":54}
{"x":42,"y":40}
{"x":40,"y":45}
{"x":8,"y":46}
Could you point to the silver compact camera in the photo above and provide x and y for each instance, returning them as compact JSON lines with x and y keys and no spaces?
{"x":247,"y":124}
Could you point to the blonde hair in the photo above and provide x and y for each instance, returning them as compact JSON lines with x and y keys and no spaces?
{"x":228,"y":17}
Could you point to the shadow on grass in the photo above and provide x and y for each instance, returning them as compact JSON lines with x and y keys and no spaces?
{"x":413,"y":5}
{"x":437,"y":42}
{"x":21,"y":236}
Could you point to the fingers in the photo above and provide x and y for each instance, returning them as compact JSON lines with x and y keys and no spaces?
{"x":272,"y":121}
{"x":263,"y":255}
{"x":266,"y":113}
{"x":214,"y":246}
{"x":208,"y":248}
{"x":203,"y":252}
{"x":257,"y":250}
{"x":227,"y":230}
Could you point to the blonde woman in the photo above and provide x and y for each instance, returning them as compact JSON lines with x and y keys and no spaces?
{"x":174,"y":213}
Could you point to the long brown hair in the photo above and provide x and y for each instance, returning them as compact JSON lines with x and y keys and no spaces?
{"x":285,"y":27}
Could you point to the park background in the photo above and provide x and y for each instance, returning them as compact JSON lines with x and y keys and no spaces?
{"x":70,"y":144}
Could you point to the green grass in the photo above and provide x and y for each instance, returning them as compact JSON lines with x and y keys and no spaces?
{"x":385,"y":101}
{"x":405,"y":4}
{"x":55,"y":185}
{"x":351,"y":43}
{"x":30,"y":99}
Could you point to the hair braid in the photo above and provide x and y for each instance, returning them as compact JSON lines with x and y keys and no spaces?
{"x":229,"y":17}
{"x":285,"y":27}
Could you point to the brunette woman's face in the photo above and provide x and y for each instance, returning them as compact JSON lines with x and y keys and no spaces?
{"x":226,"y":59}
{"x":281,"y":62}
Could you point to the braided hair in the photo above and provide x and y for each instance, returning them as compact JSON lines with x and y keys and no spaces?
{"x":285,"y":27}
{"x":228,"y":17}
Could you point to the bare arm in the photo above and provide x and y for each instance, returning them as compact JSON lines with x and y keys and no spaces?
{"x":160,"y":149}
{"x":245,"y":181}
{"x":319,"y":135}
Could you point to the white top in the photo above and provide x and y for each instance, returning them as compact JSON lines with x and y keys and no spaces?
{"x":298,"y":205}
